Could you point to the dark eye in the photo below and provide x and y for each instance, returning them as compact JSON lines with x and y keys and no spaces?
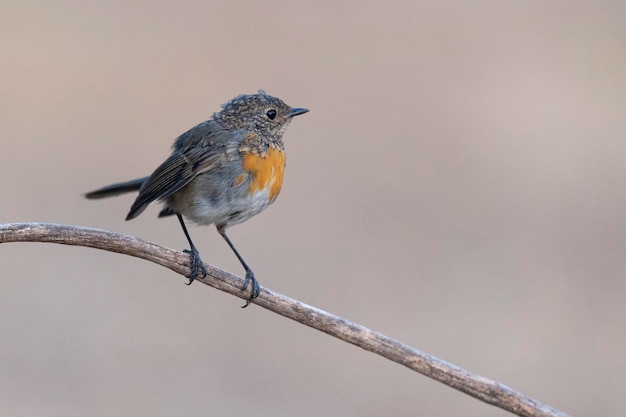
{"x":271,"y":114}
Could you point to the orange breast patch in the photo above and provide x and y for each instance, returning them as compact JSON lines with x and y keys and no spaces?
{"x":266,"y":171}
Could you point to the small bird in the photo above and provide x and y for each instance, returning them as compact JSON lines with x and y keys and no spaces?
{"x":222,"y":171}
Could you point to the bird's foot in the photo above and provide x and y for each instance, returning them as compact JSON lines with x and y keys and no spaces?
{"x":195,"y":264}
{"x":254,"y":291}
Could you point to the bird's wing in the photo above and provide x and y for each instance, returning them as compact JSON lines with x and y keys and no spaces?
{"x":176,"y":172}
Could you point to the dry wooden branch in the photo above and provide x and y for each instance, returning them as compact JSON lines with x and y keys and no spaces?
{"x":478,"y":387}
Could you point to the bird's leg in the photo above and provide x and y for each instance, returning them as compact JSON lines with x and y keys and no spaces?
{"x":250,"y":279}
{"x":195,"y":264}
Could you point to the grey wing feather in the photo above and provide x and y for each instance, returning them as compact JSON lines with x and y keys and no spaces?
{"x":196,"y":151}
{"x":172,"y":175}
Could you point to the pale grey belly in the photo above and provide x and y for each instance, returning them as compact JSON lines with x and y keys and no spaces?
{"x":229,"y":207}
{"x":237,"y":210}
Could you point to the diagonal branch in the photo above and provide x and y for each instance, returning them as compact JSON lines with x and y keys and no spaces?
{"x":478,"y":387}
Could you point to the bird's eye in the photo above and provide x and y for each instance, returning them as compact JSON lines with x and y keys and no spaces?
{"x":271,"y":114}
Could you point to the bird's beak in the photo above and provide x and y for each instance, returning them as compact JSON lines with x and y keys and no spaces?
{"x":295,"y":111}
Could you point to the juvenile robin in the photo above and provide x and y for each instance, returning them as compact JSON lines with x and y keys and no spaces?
{"x":223,"y":171}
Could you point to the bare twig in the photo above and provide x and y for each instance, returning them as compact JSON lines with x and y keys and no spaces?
{"x":481,"y":388}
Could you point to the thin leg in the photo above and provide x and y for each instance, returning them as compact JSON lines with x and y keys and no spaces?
{"x":196,"y":264}
{"x":254,"y":292}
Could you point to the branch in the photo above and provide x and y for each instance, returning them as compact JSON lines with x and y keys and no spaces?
{"x":478,"y":387}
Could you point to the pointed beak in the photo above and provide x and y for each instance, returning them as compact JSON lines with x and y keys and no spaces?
{"x":295,"y":111}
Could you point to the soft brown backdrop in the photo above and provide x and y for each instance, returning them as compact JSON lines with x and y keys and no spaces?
{"x":459,"y":184}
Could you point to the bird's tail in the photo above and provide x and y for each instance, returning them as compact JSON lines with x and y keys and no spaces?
{"x":117,"y":189}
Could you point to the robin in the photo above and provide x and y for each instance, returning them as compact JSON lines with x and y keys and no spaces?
{"x":223,"y":171}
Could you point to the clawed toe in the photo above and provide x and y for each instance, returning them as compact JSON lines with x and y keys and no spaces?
{"x":196,"y":265}
{"x":254,"y":291}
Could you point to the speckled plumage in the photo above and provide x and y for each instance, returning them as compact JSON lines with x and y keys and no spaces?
{"x":222,"y":171}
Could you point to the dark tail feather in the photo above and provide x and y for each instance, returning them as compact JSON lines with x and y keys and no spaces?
{"x":117,"y":189}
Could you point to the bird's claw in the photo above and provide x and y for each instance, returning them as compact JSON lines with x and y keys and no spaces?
{"x":254,"y":291}
{"x":196,"y":265}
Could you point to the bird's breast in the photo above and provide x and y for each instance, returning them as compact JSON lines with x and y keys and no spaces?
{"x":264,"y":172}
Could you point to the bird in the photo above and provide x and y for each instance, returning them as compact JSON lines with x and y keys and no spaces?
{"x":222,"y":171}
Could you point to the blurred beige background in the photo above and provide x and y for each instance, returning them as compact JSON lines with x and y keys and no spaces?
{"x":459,"y":184}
